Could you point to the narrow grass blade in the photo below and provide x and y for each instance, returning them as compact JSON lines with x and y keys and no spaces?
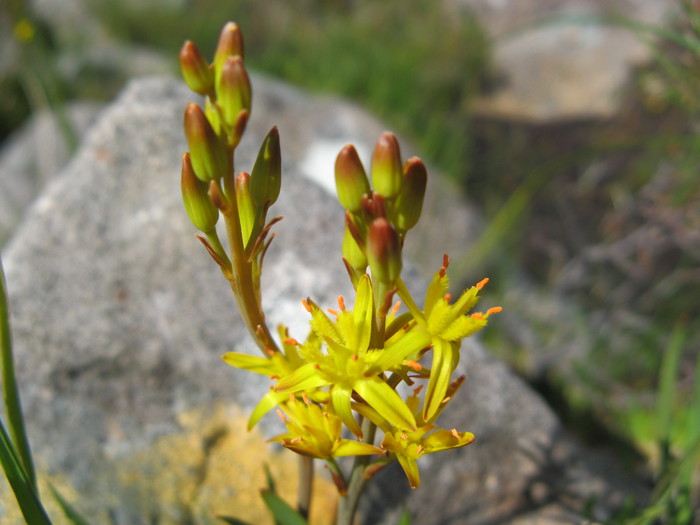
{"x":10,"y":393}
{"x":70,"y":512}
{"x":283,"y":513}
{"x":667,"y":390}
{"x":27,"y":498}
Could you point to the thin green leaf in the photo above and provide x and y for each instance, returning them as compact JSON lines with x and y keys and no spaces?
{"x":27,"y":498}
{"x":71,"y":513}
{"x":283,"y":513}
{"x":10,"y":392}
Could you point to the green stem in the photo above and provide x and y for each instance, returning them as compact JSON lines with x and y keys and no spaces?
{"x":358,"y":481}
{"x":244,"y":287}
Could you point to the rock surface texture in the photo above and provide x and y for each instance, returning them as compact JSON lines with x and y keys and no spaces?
{"x":563,"y":59}
{"x":120,"y":320}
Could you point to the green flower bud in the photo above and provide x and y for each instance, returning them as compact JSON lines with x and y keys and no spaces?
{"x":209,"y":157}
{"x":266,"y":177}
{"x":409,"y":202}
{"x":199,"y":208}
{"x":246,"y":209}
{"x":350,"y":179}
{"x":195,"y":70}
{"x":233,"y":90}
{"x":213,"y":115}
{"x":230,"y":44}
{"x":386,"y":166}
{"x":383,"y":251}
{"x":352,"y":253}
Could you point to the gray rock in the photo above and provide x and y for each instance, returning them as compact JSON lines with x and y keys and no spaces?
{"x":556,"y":62}
{"x":120,"y":319}
{"x":34,"y":153}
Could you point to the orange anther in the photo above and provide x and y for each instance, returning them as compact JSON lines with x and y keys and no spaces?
{"x":478,"y":316}
{"x":281,"y":415}
{"x":413,"y":365}
{"x":306,"y":305}
{"x":404,"y":435}
{"x":417,"y":389}
{"x":333,"y":312}
{"x":296,"y":439}
{"x":274,"y":377}
{"x":447,"y":297}
{"x":290,"y":341}
{"x":269,"y":352}
{"x":305,"y":398}
{"x":482,"y":283}
{"x":419,"y":449}
{"x":395,"y":308}
{"x":341,"y":303}
{"x":355,"y":357}
{"x":454,"y":433}
{"x":494,"y":310}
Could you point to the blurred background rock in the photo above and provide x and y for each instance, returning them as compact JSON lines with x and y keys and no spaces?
{"x":570,"y":126}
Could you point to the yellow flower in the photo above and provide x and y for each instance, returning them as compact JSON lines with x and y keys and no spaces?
{"x":410,"y":445}
{"x":447,"y":324}
{"x":350,"y":366}
{"x":316,"y":432}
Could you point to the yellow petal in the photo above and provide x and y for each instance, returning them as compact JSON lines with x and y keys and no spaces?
{"x":305,"y":377}
{"x":340,"y":398}
{"x":386,"y":402}
{"x":259,"y":365}
{"x":440,"y":374}
{"x":348,"y":447}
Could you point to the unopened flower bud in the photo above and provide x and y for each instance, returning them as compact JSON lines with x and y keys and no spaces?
{"x":230,"y":44}
{"x":233,"y":90}
{"x":386,"y":166}
{"x":208,"y":153}
{"x":383,"y":251}
{"x":350,"y":179}
{"x":352,"y":252}
{"x":266,"y":177}
{"x":409,"y":202}
{"x":199,"y":207}
{"x":246,"y":209}
{"x":195,"y":70}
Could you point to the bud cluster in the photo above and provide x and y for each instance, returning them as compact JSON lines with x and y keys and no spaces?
{"x":209,"y":187}
{"x":377,"y":217}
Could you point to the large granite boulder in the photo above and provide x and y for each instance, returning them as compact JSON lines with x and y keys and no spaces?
{"x":120,"y":319}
